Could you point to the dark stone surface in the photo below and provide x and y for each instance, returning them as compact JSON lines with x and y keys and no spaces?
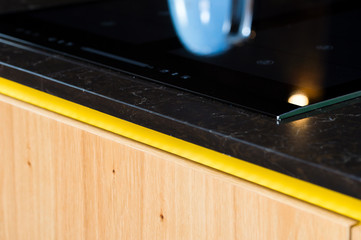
{"x":19,"y":5}
{"x":324,"y":149}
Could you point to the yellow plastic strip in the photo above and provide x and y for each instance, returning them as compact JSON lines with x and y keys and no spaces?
{"x":322,"y":197}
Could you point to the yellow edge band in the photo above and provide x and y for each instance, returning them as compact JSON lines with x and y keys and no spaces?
{"x":322,"y":197}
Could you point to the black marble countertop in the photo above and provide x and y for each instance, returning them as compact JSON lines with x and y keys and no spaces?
{"x":20,"y":5}
{"x":324,"y":149}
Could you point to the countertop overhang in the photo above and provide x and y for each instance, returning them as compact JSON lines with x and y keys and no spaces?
{"x":316,"y":159}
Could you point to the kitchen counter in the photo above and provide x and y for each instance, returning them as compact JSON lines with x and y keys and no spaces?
{"x":323,"y":149}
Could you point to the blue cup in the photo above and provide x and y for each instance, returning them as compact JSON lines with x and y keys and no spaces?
{"x":210,"y":27}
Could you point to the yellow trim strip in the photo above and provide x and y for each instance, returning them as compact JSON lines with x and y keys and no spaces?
{"x":322,"y":197}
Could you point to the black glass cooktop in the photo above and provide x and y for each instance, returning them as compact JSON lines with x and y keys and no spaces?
{"x":301,"y":54}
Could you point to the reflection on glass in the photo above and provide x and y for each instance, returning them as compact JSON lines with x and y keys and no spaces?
{"x":209,"y":27}
{"x":300,"y":126}
{"x":299,"y":99}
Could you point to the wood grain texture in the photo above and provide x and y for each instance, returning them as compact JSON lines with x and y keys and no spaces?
{"x":61,"y":179}
{"x":356,"y":232}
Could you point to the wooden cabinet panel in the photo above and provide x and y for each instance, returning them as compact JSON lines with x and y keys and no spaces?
{"x":62,"y":179}
{"x":356,"y":232}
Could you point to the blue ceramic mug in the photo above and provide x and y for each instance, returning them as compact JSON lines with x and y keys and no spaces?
{"x":209,"y":27}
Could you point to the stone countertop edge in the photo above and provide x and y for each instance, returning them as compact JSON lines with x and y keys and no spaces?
{"x":310,"y":193}
{"x":324,"y":149}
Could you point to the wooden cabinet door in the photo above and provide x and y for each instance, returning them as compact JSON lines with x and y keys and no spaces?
{"x":62,"y":179}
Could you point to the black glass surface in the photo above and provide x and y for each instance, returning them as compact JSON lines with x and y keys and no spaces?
{"x":308,"y":47}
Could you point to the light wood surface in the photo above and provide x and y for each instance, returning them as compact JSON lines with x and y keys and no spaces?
{"x":356,"y":232}
{"x":62,"y":179}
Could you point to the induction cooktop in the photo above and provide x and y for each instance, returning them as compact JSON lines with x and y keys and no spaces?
{"x":300,"y":55}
